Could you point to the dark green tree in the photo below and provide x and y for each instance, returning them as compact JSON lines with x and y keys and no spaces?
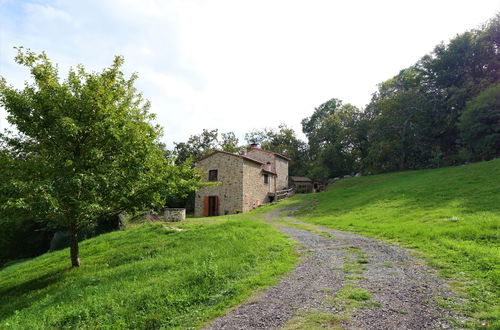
{"x":480,"y":124}
{"x":335,"y":139}
{"x":404,"y":125}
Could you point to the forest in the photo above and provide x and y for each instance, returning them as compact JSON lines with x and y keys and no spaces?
{"x":442,"y":111}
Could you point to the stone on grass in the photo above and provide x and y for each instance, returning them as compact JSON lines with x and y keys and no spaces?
{"x":175,"y":214}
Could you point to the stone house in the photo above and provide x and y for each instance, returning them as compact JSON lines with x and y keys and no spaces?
{"x":244,"y":181}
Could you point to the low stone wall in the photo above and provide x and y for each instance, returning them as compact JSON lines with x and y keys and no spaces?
{"x":174,"y":215}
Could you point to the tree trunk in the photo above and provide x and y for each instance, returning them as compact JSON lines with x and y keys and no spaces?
{"x":73,"y":246}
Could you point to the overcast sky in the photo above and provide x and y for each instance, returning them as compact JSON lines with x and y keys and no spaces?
{"x":237,"y":65}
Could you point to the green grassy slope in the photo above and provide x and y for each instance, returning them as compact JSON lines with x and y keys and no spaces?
{"x":152,"y":277}
{"x":146,"y":277}
{"x":451,"y":215}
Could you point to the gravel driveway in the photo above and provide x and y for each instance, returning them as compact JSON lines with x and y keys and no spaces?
{"x":401,"y":288}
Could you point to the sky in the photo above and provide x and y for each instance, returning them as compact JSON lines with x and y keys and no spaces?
{"x":236,"y":65}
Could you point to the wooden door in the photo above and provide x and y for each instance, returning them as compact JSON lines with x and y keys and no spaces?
{"x":205,"y":206}
{"x":213,"y":206}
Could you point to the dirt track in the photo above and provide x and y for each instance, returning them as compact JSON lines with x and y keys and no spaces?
{"x":401,"y":287}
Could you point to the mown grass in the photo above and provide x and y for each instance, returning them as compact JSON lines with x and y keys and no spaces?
{"x":450,"y":215}
{"x":146,"y":277}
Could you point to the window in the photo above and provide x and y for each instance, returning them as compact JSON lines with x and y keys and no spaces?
{"x":212,"y":175}
{"x":266,"y":178}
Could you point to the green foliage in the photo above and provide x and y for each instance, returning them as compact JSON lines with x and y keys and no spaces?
{"x":416,"y":119}
{"x":147,"y":277}
{"x":334,"y":140}
{"x":450,"y":215}
{"x":480,"y":124}
{"x":85,"y":148}
{"x":402,"y":125}
{"x":203,"y":144}
{"x":22,"y":239}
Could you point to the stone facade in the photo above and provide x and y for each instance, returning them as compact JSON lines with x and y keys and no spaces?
{"x":243,"y":181}
{"x":228,"y":187}
{"x":255,"y":191}
{"x":174,"y":214}
{"x":282,"y":173}
{"x":275,"y":163}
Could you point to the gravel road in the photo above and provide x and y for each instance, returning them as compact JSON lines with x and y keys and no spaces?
{"x":402,"y":288}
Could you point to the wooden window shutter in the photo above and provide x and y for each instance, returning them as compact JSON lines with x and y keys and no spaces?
{"x":216,"y":205}
{"x":205,"y":206}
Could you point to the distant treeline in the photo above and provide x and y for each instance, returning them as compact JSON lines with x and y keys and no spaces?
{"x":443,"y":110}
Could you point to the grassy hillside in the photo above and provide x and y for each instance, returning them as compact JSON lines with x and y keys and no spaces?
{"x":146,"y":277}
{"x":451,"y":215}
{"x":153,"y":276}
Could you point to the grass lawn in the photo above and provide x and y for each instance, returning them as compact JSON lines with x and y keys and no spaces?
{"x":450,"y":215}
{"x":146,"y":277}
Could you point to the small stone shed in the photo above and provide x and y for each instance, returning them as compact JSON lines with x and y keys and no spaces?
{"x":302,"y":184}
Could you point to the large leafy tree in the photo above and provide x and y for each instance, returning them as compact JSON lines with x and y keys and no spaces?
{"x":480,"y":124}
{"x":414,"y":117}
{"x":336,"y":139}
{"x":404,"y":124}
{"x":85,"y":147}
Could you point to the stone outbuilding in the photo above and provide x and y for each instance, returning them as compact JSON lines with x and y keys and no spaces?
{"x":302,"y":184}
{"x":243,"y":182}
{"x":305,"y":185}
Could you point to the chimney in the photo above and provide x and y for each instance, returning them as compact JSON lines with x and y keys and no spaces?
{"x":253,"y":145}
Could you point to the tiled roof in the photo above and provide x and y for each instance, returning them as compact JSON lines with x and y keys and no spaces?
{"x":231,"y":154}
{"x":300,"y":179}
{"x":271,"y":152}
{"x":270,"y":172}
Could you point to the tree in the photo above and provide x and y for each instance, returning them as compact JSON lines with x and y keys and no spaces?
{"x":230,"y":143}
{"x":404,"y":124}
{"x":202,"y":144}
{"x":334,"y":139}
{"x":480,"y":124}
{"x":85,"y":148}
{"x":421,"y":118}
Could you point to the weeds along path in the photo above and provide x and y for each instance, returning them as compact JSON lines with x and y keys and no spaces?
{"x":345,"y":281}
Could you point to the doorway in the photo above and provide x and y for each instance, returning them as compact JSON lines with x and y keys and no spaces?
{"x":213,"y":206}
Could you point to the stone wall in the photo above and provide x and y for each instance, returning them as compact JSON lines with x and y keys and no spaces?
{"x":255,"y":192}
{"x":174,"y":214}
{"x":230,"y":190}
{"x":282,"y":172}
{"x":264,"y":157}
{"x":277,"y":165}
